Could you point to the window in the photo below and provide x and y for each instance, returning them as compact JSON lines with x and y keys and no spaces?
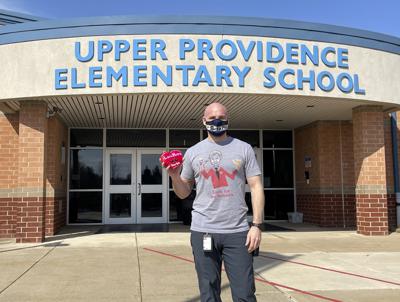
{"x":135,"y":138}
{"x":180,"y":209}
{"x":183,"y":138}
{"x":278,"y":168}
{"x":86,"y":138}
{"x":249,"y":136}
{"x":86,"y":169}
{"x":278,"y":203}
{"x":85,"y":176}
{"x":278,"y":173}
{"x":85,"y":207}
{"x":277,"y":139}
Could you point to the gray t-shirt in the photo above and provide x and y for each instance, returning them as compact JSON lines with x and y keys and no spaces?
{"x":220,"y":171}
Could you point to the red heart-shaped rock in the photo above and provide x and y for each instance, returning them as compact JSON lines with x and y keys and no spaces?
{"x":172,"y":159}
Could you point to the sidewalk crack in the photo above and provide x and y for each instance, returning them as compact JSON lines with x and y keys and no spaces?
{"x":27,"y":270}
{"x":140,"y":274}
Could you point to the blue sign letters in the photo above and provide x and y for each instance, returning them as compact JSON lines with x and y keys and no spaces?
{"x":305,"y":67}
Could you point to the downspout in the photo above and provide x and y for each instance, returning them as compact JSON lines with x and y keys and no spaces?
{"x":393,"y":119}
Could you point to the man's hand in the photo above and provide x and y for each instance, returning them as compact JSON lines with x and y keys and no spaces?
{"x":172,"y":172}
{"x":253,"y":239}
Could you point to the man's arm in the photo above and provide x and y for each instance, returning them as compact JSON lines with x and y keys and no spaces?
{"x":182,"y":187}
{"x":257,"y":200}
{"x":257,"y":197}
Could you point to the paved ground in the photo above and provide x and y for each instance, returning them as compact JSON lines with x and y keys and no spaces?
{"x":310,"y":264}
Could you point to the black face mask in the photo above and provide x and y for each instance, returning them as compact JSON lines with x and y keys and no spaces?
{"x":217,"y":127}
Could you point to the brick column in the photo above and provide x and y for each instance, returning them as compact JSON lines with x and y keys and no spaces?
{"x":31,"y":172}
{"x":8,"y":173}
{"x":56,"y":175}
{"x":370,"y":170}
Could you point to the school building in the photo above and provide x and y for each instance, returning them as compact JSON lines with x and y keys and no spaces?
{"x":87,"y":106}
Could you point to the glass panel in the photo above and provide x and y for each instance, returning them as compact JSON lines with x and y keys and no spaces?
{"x":278,"y":169}
{"x":175,"y":207}
{"x":86,"y":169}
{"x":205,"y":134}
{"x":180,"y":209}
{"x":120,"y":205}
{"x":278,"y":204}
{"x":247,"y":198}
{"x":249,"y":136}
{"x":86,"y":138}
{"x":151,"y":169}
{"x":151,"y":205}
{"x":277,"y":139}
{"x":120,"y":169}
{"x":183,"y":138}
{"x":85,"y":207}
{"x":136,"y":138}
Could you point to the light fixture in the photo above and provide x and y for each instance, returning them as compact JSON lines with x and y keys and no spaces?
{"x":52,"y":112}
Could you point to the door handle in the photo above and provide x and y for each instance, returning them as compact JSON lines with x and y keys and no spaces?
{"x":139,"y":188}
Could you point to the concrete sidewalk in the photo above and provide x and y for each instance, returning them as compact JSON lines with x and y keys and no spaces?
{"x":80,"y":265}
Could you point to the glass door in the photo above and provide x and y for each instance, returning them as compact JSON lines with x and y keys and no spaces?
{"x":151,"y":188}
{"x":120,"y":205}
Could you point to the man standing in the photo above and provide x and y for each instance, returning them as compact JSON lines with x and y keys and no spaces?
{"x":220,"y":166}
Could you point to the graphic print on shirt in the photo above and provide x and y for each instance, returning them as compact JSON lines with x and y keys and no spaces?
{"x":212,"y":168}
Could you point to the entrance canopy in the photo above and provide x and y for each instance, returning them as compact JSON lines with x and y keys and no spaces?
{"x":184,"y":110}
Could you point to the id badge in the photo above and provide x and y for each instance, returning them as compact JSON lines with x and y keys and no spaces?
{"x":207,"y":243}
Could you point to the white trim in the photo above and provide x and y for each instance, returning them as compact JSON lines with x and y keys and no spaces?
{"x":120,"y":189}
{"x":162,"y":188}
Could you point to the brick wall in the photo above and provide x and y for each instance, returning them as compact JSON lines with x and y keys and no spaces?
{"x":8,"y":173}
{"x":306,"y":144}
{"x":321,"y":201}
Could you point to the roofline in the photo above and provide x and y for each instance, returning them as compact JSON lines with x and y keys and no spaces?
{"x":19,"y":16}
{"x":214,"y":25}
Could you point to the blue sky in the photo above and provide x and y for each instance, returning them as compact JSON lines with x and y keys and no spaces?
{"x":380,"y":16}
